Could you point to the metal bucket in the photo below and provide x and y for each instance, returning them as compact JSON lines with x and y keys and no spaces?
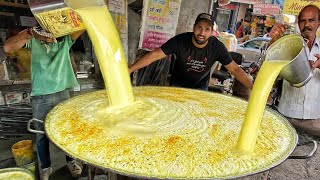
{"x":291,"y":48}
{"x":22,"y":152}
{"x":58,"y":16}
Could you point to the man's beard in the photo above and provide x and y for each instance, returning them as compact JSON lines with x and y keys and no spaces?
{"x":200,"y":42}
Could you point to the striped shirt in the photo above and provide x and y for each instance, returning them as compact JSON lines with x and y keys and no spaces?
{"x":304,"y":102}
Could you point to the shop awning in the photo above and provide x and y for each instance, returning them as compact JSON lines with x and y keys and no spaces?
{"x":293,"y":6}
{"x":266,"y":9}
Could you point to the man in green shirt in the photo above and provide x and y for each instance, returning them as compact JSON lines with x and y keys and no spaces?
{"x":51,"y":76}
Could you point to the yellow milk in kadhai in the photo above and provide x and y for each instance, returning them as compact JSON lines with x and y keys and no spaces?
{"x":167,"y":132}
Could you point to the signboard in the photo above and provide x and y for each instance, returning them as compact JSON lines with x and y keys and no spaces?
{"x":118,"y":11}
{"x":159,"y":22}
{"x":294,"y":6}
{"x":266,"y":9}
{"x":248,"y":1}
{"x":117,"y":6}
{"x":28,"y":21}
{"x":15,"y":3}
{"x":229,"y":6}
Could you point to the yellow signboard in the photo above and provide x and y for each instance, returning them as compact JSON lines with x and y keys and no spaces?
{"x":294,"y":6}
{"x":159,"y":22}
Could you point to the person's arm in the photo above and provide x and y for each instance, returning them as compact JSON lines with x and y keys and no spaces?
{"x":147,"y":59}
{"x":18,"y":41}
{"x":276,"y":32}
{"x":74,"y":36}
{"x":239,"y":74}
{"x":73,"y":63}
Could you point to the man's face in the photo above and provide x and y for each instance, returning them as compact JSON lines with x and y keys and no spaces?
{"x":202,"y":31}
{"x":309,"y":23}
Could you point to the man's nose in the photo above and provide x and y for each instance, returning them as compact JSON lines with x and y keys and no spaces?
{"x":307,"y":24}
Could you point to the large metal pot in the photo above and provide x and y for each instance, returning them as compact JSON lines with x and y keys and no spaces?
{"x":168,"y":133}
{"x":291,"y":48}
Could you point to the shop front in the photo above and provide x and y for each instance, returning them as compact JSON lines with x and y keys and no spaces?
{"x":263,"y":18}
{"x":226,"y":17}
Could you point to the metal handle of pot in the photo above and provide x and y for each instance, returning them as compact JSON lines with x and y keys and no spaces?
{"x":33,"y":130}
{"x":314,"y":149}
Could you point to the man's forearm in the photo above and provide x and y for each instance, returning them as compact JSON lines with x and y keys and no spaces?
{"x":244,"y":79}
{"x":17,"y":42}
{"x":147,"y":59}
{"x":240,"y":75}
{"x":140,"y":63}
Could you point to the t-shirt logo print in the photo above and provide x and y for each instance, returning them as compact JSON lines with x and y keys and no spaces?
{"x":195,"y":65}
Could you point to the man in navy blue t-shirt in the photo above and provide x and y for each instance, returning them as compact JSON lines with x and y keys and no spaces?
{"x":196,"y":52}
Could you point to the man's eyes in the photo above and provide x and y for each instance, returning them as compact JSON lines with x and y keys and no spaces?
{"x":310,"y":20}
{"x":205,"y":29}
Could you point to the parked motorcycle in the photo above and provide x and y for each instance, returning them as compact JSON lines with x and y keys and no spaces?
{"x":227,"y":84}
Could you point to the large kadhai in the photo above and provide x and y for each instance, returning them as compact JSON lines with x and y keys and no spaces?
{"x":170,"y":133}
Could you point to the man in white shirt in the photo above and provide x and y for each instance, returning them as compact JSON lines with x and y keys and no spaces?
{"x":301,"y":106}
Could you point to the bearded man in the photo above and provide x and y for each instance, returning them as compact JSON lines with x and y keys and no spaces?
{"x":195,"y":53}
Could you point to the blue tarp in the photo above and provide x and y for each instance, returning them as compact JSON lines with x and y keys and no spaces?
{"x":280,"y":2}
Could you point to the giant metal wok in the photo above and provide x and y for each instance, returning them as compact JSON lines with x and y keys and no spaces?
{"x":168,"y":133}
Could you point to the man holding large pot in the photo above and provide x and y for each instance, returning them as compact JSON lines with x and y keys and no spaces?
{"x":301,"y":105}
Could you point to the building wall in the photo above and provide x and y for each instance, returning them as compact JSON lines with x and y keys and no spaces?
{"x":133,"y":34}
{"x":188,"y":13}
{"x":242,"y":11}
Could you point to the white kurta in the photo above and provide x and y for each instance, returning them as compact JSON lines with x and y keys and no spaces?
{"x":304,"y":102}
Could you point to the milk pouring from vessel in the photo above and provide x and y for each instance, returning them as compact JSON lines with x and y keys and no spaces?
{"x":291,"y":48}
